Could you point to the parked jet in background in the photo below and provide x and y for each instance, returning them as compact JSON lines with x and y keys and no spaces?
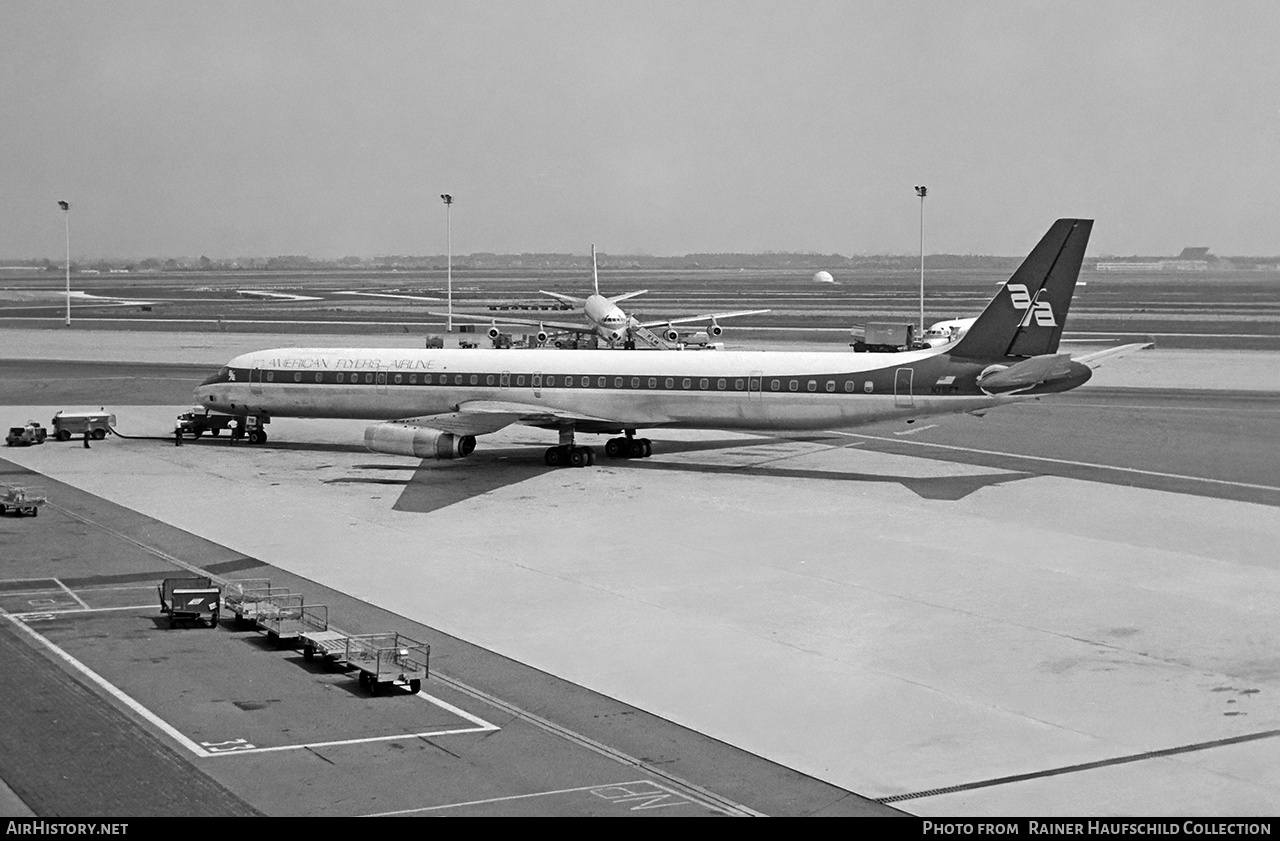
{"x":946,"y":332}
{"x":604,"y":319}
{"x":433,"y":403}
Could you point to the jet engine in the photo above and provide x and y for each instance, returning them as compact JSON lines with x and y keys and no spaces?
{"x":715,"y":329}
{"x":494,"y":332}
{"x":401,"y":439}
{"x":541,"y":335}
{"x":671,"y":334}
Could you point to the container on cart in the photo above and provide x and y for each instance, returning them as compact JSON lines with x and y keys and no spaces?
{"x":190,"y":600}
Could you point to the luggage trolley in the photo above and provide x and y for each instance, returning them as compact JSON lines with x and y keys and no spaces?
{"x":280,"y":616}
{"x":190,"y":600}
{"x":243,"y":596}
{"x":316,"y":637}
{"x":390,"y":658}
{"x":21,"y":500}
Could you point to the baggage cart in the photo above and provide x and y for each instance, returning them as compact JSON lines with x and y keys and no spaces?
{"x":389,"y":658}
{"x":280,"y":616}
{"x":317,"y":638}
{"x":22,"y":500}
{"x":243,"y":595}
{"x":190,"y":600}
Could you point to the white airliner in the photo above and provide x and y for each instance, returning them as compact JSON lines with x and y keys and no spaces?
{"x":604,"y":319}
{"x":433,"y":403}
{"x":945,"y":332}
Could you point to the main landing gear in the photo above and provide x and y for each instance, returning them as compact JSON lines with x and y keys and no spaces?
{"x":628,"y":447}
{"x":568,"y":454}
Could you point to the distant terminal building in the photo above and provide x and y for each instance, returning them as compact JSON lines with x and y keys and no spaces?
{"x":1192,"y":259}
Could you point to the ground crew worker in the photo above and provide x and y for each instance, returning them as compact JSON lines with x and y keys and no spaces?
{"x":177,"y":433}
{"x":235,"y":430}
{"x":86,"y":439}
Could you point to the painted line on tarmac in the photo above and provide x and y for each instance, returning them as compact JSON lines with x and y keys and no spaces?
{"x":73,"y":611}
{"x":1067,"y":462}
{"x":110,"y":688}
{"x":647,"y":799}
{"x":695,"y":792}
{"x":237,"y":751}
{"x":1084,"y":766}
{"x":67,"y":590}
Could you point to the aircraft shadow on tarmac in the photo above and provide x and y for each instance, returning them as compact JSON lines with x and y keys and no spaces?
{"x":434,"y":485}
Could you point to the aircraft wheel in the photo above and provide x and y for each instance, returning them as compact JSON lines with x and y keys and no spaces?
{"x":612,"y":448}
{"x":554,"y":457}
{"x":635,"y":448}
{"x":648,"y":447}
{"x":591,"y":456}
{"x":577,"y":458}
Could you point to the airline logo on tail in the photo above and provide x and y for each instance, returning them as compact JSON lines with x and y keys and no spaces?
{"x":1041,"y":311}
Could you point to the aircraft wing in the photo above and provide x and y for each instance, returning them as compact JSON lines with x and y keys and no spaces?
{"x":568,"y":299}
{"x":389,"y":295}
{"x":479,"y":417}
{"x":711,"y":316}
{"x":1095,"y":359}
{"x":554,"y":326}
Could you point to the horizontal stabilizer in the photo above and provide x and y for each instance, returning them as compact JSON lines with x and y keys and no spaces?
{"x":1028,"y":373}
{"x":568,"y":299}
{"x":1095,"y":359}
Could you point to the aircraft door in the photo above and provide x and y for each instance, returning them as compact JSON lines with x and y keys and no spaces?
{"x":902,"y":379}
{"x":255,"y":379}
{"x":381,"y":382}
{"x":754,"y":385}
{"x":537,"y":384}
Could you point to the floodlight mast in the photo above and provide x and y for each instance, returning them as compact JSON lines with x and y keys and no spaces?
{"x":448,"y":238}
{"x":66,"y":218}
{"x":921,"y":191}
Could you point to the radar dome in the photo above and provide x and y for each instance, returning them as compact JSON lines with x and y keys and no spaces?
{"x":823,"y":277}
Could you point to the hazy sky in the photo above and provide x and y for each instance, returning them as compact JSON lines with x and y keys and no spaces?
{"x":331,"y":128}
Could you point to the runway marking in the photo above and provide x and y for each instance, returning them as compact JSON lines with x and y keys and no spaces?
{"x":1084,"y":766}
{"x":109,"y":687}
{"x":642,"y":799}
{"x":1068,"y":462}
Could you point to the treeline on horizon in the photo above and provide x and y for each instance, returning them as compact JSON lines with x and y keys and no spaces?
{"x":485,"y":261}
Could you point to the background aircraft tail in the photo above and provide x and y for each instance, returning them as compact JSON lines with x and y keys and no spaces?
{"x":1027,"y":315}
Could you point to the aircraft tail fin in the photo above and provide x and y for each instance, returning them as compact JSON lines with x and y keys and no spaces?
{"x":595,"y":276}
{"x":1027,"y":315}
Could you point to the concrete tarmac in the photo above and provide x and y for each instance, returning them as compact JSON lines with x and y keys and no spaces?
{"x":1043,"y":612}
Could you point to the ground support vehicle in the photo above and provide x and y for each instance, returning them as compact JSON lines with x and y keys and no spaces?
{"x":280,"y":616}
{"x":190,"y":600}
{"x":21,"y":500}
{"x":883,"y":337}
{"x":198,"y":420}
{"x":97,"y":424}
{"x":317,"y":638}
{"x":25,"y":436}
{"x":389,"y":658}
{"x":243,"y":595}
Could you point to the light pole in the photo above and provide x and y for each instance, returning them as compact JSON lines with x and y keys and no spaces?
{"x":448,"y":238}
{"x":921,"y":192}
{"x":66,"y":217}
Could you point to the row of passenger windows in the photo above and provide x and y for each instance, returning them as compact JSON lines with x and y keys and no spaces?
{"x":549,"y":381}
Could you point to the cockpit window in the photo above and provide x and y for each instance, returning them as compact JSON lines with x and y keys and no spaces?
{"x":219,"y":377}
